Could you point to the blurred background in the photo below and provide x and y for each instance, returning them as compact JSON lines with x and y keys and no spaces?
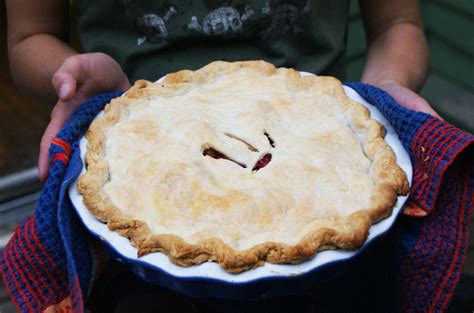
{"x":449,"y":27}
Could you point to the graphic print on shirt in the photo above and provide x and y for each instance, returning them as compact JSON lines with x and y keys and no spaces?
{"x":263,"y":20}
{"x":283,"y":19}
{"x":221,"y":20}
{"x":150,"y":26}
{"x":276,"y":19}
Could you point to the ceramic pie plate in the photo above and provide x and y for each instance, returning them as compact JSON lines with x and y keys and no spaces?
{"x":209,"y":280}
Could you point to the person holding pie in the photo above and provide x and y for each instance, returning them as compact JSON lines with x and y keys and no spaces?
{"x":127,"y":41}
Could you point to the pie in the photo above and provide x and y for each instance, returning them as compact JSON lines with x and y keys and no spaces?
{"x":239,"y":163}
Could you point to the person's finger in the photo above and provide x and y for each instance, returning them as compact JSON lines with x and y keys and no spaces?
{"x":408,"y":98}
{"x":413,"y":101}
{"x":71,"y":73}
{"x":43,"y":158}
{"x":412,"y":209}
{"x":65,"y":85}
{"x":59,"y":115}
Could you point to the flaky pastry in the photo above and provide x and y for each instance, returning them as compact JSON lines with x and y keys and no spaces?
{"x":239,"y":163}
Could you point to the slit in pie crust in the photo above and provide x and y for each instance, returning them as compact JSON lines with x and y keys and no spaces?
{"x":239,"y":163}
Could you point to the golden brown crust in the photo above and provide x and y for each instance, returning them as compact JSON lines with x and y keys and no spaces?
{"x":352,"y":233}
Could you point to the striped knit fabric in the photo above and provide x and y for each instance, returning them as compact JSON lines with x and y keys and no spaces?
{"x":47,"y":265}
{"x":432,"y":249}
{"x":47,"y":261}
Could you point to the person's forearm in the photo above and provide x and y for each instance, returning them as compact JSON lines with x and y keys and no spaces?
{"x":399,"y":54}
{"x":33,"y":62}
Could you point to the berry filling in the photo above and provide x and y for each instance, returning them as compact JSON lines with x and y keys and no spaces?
{"x":262,"y":162}
{"x":270,"y":140}
{"x":213,"y":153}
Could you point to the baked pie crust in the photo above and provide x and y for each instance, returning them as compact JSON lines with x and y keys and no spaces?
{"x":239,"y":163}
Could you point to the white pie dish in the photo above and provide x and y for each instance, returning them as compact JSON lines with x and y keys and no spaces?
{"x":157,"y":268}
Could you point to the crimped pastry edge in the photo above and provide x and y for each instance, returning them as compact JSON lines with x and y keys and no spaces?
{"x":390,"y":179}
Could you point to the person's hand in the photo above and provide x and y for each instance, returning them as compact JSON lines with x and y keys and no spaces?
{"x":78,"y":78}
{"x":411,"y":100}
{"x":407,"y":98}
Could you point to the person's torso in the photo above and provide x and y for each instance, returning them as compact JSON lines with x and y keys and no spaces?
{"x":152,"y":38}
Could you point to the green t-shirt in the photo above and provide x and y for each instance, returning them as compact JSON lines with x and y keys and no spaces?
{"x":152,"y":38}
